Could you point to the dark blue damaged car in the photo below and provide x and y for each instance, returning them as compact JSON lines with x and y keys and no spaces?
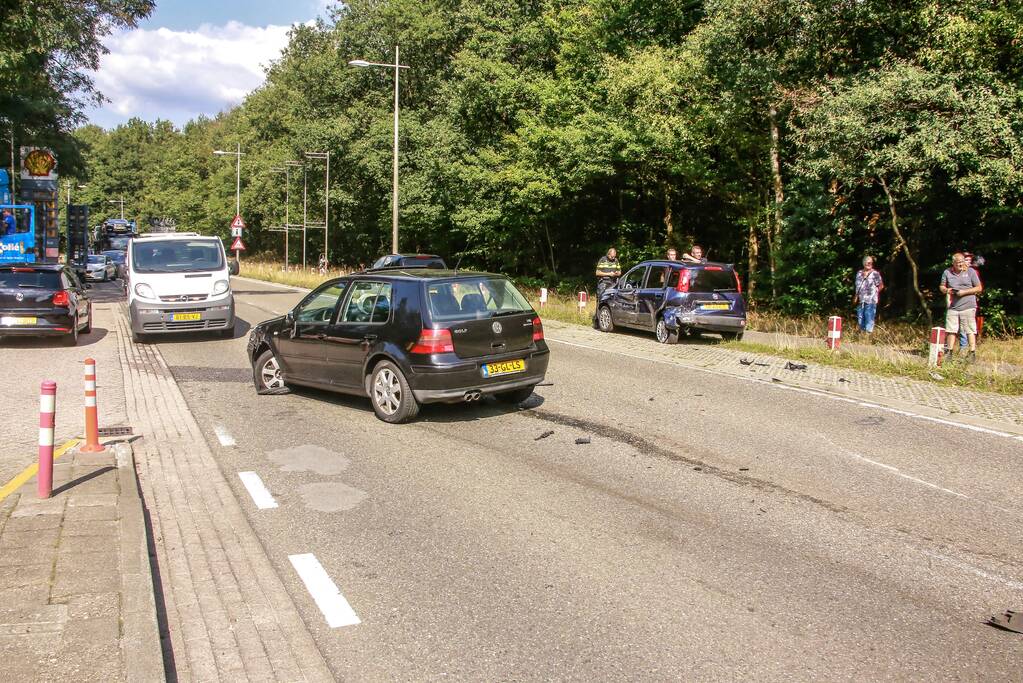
{"x":675,"y":298}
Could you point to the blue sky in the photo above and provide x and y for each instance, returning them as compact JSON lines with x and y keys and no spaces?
{"x":193,"y":57}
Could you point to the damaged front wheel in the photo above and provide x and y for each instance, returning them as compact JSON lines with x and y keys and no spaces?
{"x":665,"y":334}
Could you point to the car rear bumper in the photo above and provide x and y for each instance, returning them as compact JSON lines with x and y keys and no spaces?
{"x":48,"y":325}
{"x":158,"y":318}
{"x":95,"y":275}
{"x":710,"y":323}
{"x":439,"y":384}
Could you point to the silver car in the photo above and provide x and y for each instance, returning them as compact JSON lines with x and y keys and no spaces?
{"x":100,"y":267}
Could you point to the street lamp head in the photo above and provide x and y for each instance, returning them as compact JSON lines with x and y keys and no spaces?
{"x":358,"y":62}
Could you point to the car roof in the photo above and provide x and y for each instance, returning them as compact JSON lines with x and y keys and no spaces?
{"x":422,"y":274}
{"x":687,"y":264}
{"x":33,"y":266}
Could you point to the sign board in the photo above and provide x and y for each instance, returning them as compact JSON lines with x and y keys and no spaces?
{"x":237,"y":244}
{"x":38,"y":163}
{"x":236,"y":232}
{"x":237,"y":222}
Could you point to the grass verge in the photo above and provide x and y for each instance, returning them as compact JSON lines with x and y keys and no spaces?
{"x":954,"y":373}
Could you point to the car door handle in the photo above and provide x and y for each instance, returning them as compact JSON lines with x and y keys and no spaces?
{"x":369,"y":339}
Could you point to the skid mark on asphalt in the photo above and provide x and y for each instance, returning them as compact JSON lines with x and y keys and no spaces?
{"x":261,"y":496}
{"x":976,"y":571}
{"x":647,"y":447}
{"x":309,"y":458}
{"x":324,"y":591}
{"x":331,"y":496}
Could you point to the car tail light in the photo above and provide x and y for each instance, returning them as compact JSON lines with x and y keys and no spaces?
{"x":683,"y":282}
{"x":434,"y":341}
{"x":23,"y":270}
{"x":712,"y":267}
{"x":61,"y":298}
{"x":738,"y":282}
{"x":537,"y":329}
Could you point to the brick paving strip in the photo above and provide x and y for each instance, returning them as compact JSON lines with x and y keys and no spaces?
{"x":227,"y":611}
{"x":76,"y":599}
{"x":992,"y":411}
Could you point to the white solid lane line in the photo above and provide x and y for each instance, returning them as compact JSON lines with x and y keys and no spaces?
{"x":260,"y":495}
{"x":224,"y":436}
{"x":326,"y":595}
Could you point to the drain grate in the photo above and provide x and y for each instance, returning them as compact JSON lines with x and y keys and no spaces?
{"x":115,"y":431}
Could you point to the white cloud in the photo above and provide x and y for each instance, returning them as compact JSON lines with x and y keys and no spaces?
{"x":177,"y":75}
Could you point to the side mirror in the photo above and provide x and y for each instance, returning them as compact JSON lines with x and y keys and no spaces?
{"x":232,"y":267}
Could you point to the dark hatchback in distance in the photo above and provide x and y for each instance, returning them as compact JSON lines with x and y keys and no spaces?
{"x":672,"y":298}
{"x":43,"y":300}
{"x":404,"y":338}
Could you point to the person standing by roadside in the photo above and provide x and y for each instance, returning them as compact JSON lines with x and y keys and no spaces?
{"x":973,"y":264}
{"x":695,"y":257}
{"x":962,"y":285}
{"x":608,"y":270}
{"x":867,"y":293}
{"x":672,"y":254}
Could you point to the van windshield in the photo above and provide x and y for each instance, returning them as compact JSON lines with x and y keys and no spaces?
{"x":468,"y":299}
{"x":176,"y":256}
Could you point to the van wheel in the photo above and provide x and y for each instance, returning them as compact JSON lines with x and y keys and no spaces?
{"x":604,"y":321}
{"x":665,"y":334}
{"x":266,"y":375}
{"x":391,"y":395}
{"x":515,"y":396}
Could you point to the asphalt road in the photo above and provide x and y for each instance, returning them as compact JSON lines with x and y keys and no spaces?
{"x":713,"y":528}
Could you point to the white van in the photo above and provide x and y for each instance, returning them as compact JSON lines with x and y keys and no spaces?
{"x":179,"y":282}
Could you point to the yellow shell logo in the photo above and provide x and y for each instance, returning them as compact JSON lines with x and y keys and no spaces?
{"x":39,"y":162}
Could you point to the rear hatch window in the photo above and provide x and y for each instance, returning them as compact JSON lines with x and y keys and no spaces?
{"x":486,"y":315}
{"x":35,"y":279}
{"x":709,"y":280}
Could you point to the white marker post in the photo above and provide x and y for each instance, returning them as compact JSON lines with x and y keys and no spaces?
{"x":834,"y":332}
{"x":937,"y":349}
{"x":583,"y":299}
{"x":543,"y":297}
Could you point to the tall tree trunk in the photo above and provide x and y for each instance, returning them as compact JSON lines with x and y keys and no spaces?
{"x":550,"y":245}
{"x":901,"y":242}
{"x":774,"y":234}
{"x":753,"y":246}
{"x":669,"y":226}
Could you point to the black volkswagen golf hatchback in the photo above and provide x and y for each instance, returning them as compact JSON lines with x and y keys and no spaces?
{"x":404,"y":338}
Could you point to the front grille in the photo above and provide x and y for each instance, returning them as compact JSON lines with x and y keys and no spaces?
{"x":183,"y":325}
{"x":183,"y":298}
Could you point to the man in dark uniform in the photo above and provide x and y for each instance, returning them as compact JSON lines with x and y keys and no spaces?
{"x":608,"y":270}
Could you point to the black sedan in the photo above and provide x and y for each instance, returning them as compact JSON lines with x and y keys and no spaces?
{"x":39,"y":300}
{"x":404,"y":338}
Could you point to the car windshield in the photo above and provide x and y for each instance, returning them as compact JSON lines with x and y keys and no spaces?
{"x":119,"y":242}
{"x":115,"y":256}
{"x":94,"y":258}
{"x":482,"y":297}
{"x":29,"y":279}
{"x":176,"y":256}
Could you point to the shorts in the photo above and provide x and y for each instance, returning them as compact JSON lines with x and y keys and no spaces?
{"x":965,"y":321}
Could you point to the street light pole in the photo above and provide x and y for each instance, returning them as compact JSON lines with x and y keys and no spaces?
{"x":397,"y":66}
{"x":326,"y":201}
{"x":118,"y":201}
{"x":237,"y":184}
{"x":305,"y":197}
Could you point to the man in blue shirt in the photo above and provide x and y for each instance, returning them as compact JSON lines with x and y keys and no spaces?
{"x":10,"y":226}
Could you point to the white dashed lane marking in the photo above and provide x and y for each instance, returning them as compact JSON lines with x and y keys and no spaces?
{"x":260,"y":495}
{"x":224,"y":436}
{"x":324,"y":591}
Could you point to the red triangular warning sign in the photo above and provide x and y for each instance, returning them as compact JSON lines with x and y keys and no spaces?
{"x":238,"y":222}
{"x":237,"y":245}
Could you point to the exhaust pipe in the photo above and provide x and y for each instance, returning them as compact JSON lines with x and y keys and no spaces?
{"x":473,"y":395}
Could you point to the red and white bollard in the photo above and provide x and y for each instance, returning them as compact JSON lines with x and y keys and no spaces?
{"x":583,"y":299}
{"x":47,"y":418}
{"x":834,"y":332}
{"x":937,"y":350}
{"x":543,"y":297}
{"x":92,"y":444}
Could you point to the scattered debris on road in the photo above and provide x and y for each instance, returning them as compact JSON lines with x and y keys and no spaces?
{"x":549,"y":432}
{"x":545,"y":384}
{"x":746,"y":361}
{"x":698,"y":469}
{"x":582,"y":439}
{"x":651,"y":398}
{"x":789,"y":365}
{"x":842,"y":379}
{"x":1010,"y":621}
{"x":762,"y":365}
{"x":775,"y":379}
{"x":744,"y":469}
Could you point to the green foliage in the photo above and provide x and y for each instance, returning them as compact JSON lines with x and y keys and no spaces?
{"x":535,"y":134}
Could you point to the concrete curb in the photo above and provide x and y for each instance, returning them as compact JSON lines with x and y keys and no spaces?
{"x":141,"y":652}
{"x":268,"y":283}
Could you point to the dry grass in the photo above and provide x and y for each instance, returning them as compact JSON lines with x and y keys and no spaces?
{"x":295,"y":276}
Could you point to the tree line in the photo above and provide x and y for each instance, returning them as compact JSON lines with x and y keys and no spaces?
{"x":790,"y":137}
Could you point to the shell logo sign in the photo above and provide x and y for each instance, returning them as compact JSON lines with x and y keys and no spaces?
{"x":38,"y":163}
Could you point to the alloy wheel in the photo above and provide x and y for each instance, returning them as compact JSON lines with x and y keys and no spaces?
{"x":605,"y":318}
{"x":387,"y":391}
{"x":270,"y":374}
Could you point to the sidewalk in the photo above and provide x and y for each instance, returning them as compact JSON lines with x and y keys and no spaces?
{"x":991,"y":411}
{"x":76,"y":598}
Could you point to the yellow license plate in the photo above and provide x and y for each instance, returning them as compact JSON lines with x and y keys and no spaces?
{"x":716,"y":307}
{"x":506,"y":368}
{"x":13,"y":320}
{"x":175,"y":317}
